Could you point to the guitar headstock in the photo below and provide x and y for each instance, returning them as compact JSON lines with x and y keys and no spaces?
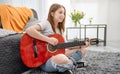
{"x":94,"y":41}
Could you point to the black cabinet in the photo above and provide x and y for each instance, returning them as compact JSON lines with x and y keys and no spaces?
{"x":99,"y":31}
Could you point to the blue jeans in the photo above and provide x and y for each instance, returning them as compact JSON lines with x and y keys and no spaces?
{"x":50,"y":66}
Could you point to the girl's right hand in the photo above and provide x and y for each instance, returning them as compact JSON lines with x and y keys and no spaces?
{"x":53,"y":41}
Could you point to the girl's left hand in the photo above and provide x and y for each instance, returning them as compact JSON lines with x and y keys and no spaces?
{"x":87,"y":43}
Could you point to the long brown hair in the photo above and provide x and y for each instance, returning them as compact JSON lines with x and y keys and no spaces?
{"x":61,"y":25}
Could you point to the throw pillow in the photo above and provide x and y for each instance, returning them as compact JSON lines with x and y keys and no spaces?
{"x":32,"y":21}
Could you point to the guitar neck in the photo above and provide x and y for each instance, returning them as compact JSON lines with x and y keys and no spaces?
{"x":70,"y":44}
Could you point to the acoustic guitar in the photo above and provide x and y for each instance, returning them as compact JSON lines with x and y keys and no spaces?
{"x":35,"y":52}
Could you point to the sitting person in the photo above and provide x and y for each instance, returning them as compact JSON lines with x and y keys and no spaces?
{"x":55,"y":24}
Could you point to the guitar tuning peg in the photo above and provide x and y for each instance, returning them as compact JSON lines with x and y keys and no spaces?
{"x":94,"y":41}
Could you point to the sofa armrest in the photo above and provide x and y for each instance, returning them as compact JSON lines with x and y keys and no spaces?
{"x":0,"y":23}
{"x":34,"y":13}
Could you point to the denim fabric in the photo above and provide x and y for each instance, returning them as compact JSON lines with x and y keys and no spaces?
{"x":76,"y":56}
{"x":50,"y":66}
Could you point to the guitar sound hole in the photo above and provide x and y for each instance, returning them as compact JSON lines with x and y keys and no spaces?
{"x":51,"y":48}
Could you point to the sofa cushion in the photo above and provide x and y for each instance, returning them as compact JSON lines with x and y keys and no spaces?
{"x":32,"y":21}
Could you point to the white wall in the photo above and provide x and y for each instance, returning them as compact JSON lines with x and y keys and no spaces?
{"x":92,"y":8}
{"x":114,"y":20}
{"x":103,"y":12}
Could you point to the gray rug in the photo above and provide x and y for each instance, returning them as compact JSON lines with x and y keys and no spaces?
{"x":102,"y":63}
{"x":99,"y":63}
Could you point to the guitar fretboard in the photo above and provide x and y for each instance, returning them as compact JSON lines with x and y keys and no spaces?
{"x":69,"y":44}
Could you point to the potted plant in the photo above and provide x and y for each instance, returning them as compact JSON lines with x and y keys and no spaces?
{"x":76,"y":16}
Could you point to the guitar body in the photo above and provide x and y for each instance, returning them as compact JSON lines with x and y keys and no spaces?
{"x":27,"y":50}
